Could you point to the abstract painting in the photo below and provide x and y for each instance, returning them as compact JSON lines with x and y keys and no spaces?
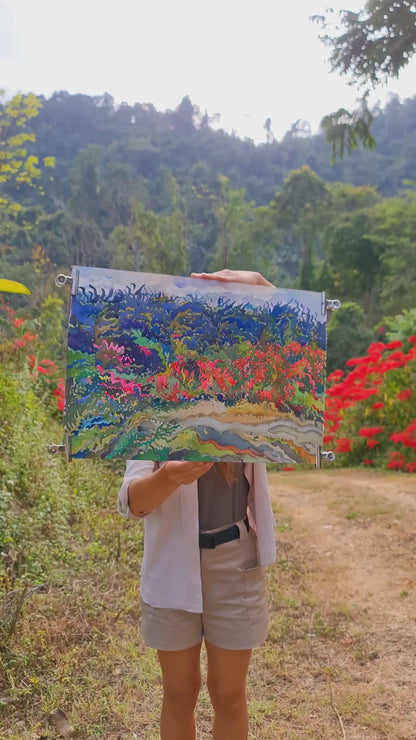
{"x":176,"y":368}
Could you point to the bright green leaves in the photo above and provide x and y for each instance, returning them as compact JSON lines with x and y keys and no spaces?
{"x":17,"y":165}
{"x":344,"y":130}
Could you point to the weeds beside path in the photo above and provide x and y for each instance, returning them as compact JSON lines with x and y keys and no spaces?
{"x":340,"y":658}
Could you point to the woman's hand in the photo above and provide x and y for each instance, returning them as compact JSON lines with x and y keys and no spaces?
{"x":181,"y":473}
{"x":234,"y":276}
{"x":146,"y":494}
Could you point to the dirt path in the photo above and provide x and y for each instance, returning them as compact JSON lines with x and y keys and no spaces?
{"x":352,"y":538}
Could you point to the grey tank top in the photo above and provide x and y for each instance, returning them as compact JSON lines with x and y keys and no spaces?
{"x":222,"y":503}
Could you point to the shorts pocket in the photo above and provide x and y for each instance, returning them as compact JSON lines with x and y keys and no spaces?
{"x":248,"y":551}
{"x":254,"y":593}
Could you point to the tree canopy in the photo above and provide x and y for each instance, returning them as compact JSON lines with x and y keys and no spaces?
{"x":371,"y":46}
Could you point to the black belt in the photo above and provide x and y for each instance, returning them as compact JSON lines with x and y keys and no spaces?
{"x":209,"y":541}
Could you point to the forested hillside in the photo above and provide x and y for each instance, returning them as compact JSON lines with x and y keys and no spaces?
{"x":135,"y":188}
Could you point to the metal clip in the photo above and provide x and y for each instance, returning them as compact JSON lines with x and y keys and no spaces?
{"x":333,"y":305}
{"x":57,"y":449}
{"x":64,"y":449}
{"x":62,"y":280}
{"x":328,"y":456}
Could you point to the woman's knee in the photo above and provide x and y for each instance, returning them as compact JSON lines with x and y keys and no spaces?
{"x":182,"y":698}
{"x":226,"y":699}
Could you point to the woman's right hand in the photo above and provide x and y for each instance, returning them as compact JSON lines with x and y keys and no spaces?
{"x":146,"y":494}
{"x":181,"y":473}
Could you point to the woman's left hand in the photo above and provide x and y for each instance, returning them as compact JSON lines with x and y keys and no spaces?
{"x":234,"y":276}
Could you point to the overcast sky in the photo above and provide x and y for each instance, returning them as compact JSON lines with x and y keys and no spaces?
{"x":245,"y":61}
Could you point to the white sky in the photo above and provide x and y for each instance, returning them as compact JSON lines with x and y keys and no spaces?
{"x":246,"y":61}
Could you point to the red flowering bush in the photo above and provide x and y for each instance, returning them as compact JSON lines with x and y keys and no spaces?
{"x":373,"y":407}
{"x":18,"y":351}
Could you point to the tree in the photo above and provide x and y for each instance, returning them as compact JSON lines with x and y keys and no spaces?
{"x":17,"y":166}
{"x":352,"y":259}
{"x":84,"y":180}
{"x":347,"y":336}
{"x":270,"y":137}
{"x":233,"y":214}
{"x":393,"y":239}
{"x":371,"y":46}
{"x":300,"y":206}
{"x":161,"y":239}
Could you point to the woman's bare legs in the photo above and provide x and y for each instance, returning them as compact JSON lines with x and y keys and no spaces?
{"x":181,"y":674}
{"x":227,"y":673}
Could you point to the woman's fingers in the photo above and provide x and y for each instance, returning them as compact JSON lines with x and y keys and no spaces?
{"x":182,"y":472}
{"x":234,"y":276}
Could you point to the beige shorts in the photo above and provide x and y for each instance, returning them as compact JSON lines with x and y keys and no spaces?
{"x":235,"y":614}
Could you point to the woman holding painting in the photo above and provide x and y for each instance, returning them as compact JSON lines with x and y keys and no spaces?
{"x":209,"y":533}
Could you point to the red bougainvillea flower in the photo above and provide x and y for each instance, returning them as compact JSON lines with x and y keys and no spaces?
{"x":60,"y":395}
{"x":343,"y":444}
{"x":288,"y":468}
{"x":376,"y":347}
{"x":370,"y":431}
{"x":394,"y":345}
{"x":28,"y":337}
{"x":367,"y":461}
{"x":407,"y":437}
{"x":404,"y":395}
{"x":336,"y":375}
{"x":371,"y":443}
{"x":411,"y":467}
{"x":356,"y":361}
{"x":397,"y":460}
{"x":412,"y":339}
{"x":395,"y":464}
{"x":378,"y":405}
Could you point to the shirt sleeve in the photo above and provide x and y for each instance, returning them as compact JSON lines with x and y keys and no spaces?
{"x":135,"y":469}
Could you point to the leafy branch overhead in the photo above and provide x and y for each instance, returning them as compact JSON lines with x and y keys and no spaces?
{"x":372,"y":47}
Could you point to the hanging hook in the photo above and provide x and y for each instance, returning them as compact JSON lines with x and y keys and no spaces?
{"x":333,"y":305}
{"x":329,"y":456}
{"x":62,"y":280}
{"x":57,"y":449}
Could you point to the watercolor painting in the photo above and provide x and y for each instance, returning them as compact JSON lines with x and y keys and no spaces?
{"x":177,"y":368}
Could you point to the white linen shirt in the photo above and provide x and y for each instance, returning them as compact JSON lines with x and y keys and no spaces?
{"x":171,"y":574}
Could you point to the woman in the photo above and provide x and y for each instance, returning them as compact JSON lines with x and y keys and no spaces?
{"x":209,"y":533}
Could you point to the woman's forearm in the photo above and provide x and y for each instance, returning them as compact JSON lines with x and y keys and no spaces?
{"x":146,"y":494}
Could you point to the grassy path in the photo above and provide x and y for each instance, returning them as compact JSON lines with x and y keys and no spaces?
{"x":340,"y":658}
